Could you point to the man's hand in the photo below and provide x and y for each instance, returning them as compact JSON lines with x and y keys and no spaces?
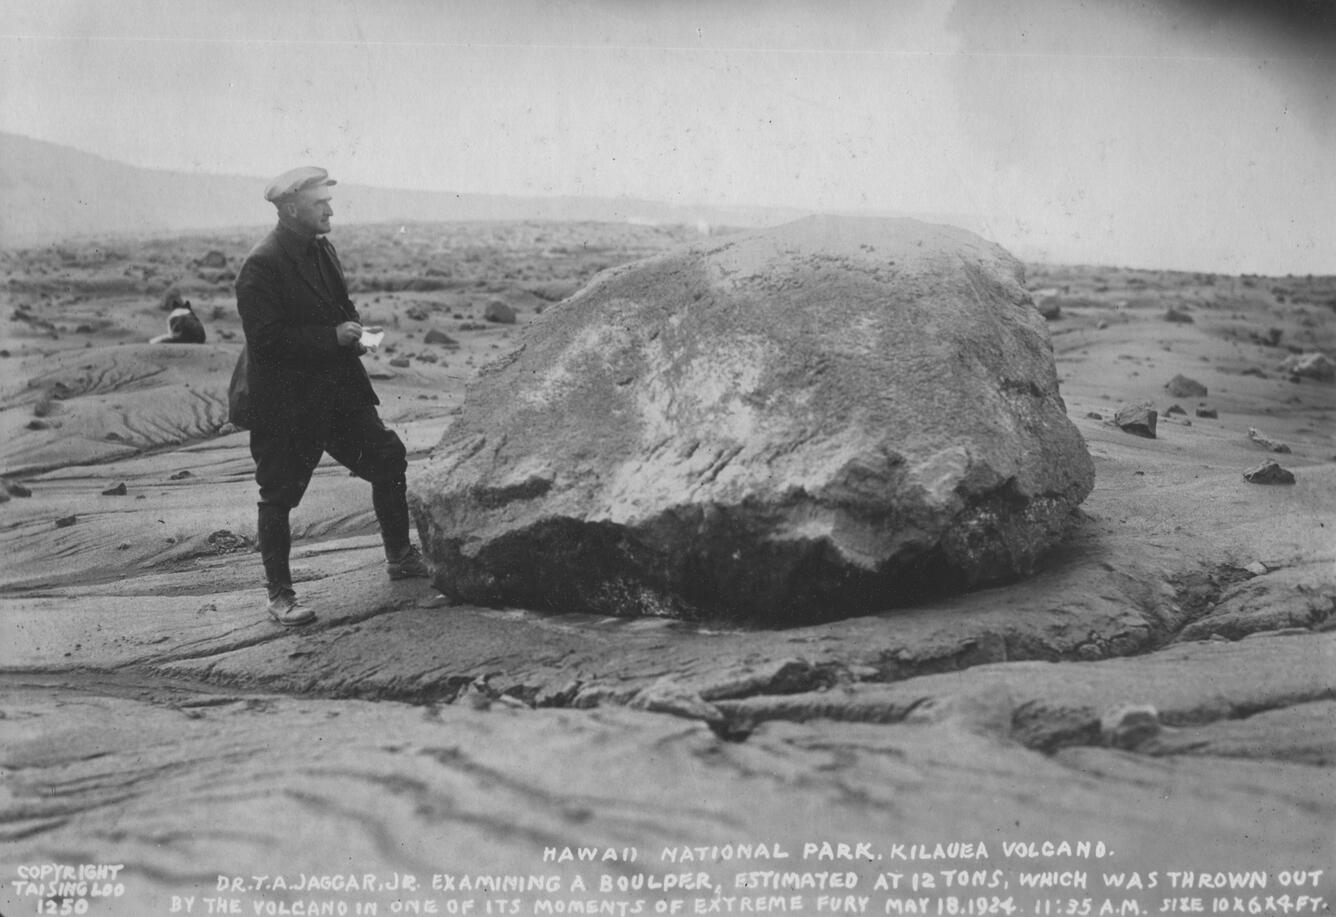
{"x":349,"y":333}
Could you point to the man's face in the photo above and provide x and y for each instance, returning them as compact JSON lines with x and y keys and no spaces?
{"x":310,"y":209}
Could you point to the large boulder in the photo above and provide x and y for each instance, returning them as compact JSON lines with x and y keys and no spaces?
{"x":831,"y":417}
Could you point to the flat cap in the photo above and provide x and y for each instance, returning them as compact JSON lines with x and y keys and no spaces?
{"x":294,"y":180}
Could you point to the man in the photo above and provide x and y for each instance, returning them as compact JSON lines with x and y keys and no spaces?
{"x":308,"y":393}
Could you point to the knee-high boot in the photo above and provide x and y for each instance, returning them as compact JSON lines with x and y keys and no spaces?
{"x":390,"y":500}
{"x":275,"y":537}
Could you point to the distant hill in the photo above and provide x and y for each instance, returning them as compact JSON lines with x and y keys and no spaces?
{"x":49,"y":191}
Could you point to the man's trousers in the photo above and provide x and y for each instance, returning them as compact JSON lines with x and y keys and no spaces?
{"x":285,"y":460}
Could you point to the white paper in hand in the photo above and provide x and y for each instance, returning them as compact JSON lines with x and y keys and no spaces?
{"x":371,"y":339}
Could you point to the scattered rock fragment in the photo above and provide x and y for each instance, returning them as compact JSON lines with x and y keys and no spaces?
{"x":180,"y":475}
{"x":66,"y":521}
{"x":417,"y":313}
{"x":1269,"y":472}
{"x":1208,"y":413}
{"x":1129,"y":726}
{"x":499,"y":312}
{"x":118,"y":491}
{"x":400,"y":362}
{"x":1267,"y":442}
{"x":1316,"y":366}
{"x":224,"y":541}
{"x":1181,"y":386}
{"x":1137,"y":419}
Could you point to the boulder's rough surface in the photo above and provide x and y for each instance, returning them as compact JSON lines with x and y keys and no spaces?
{"x":805,"y":422}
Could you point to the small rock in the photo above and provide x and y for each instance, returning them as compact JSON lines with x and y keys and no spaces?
{"x":225,"y":541}
{"x":417,"y":313}
{"x":1094,"y":415}
{"x":400,"y":362}
{"x":1208,"y":413}
{"x":1316,"y":366}
{"x":1102,"y":325}
{"x":1174,"y":315}
{"x":117,"y":491}
{"x":180,"y":475}
{"x":439,"y":337}
{"x":428,"y":358}
{"x":1174,"y":409}
{"x":1269,"y":473}
{"x":38,"y":424}
{"x":1257,"y":568}
{"x":1127,"y":727}
{"x":1050,"y":307}
{"x":499,"y":312}
{"x":15,"y":489}
{"x":1182,"y":387}
{"x":65,"y":522}
{"x":1267,"y":442}
{"x":1137,"y":419}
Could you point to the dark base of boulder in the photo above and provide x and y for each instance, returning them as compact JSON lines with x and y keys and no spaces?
{"x":565,"y":566}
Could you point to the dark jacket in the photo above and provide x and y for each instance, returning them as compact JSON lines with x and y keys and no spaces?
{"x":297,"y":373}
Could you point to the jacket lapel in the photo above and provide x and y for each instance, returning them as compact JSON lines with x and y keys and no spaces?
{"x":340,"y":290}
{"x":306,"y":272}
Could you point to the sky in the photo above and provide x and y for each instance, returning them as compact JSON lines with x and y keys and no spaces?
{"x":1186,"y":134}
